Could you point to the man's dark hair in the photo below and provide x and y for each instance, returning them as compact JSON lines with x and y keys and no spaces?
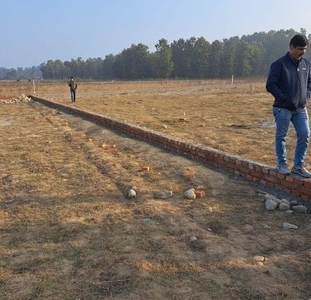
{"x":299,"y":40}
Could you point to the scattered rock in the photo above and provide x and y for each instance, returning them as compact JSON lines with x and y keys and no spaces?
{"x":299,"y":208}
{"x":289,"y":226}
{"x":294,"y":203}
{"x":22,"y":98}
{"x":190,"y":194}
{"x":271,"y":204}
{"x":9,"y":201}
{"x":284,"y":206}
{"x":285,"y":201}
{"x":270,"y":197}
{"x":259,"y":258}
{"x":193,"y":238}
{"x":149,"y":221}
{"x":260,"y":192}
{"x":131,"y":193}
{"x":163,"y":194}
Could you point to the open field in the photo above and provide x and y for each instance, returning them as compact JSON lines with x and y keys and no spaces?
{"x":233,"y":118}
{"x":69,"y":231}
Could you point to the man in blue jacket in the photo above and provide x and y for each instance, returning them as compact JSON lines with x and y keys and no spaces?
{"x":289,"y":81}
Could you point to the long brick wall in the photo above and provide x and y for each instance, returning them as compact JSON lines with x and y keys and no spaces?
{"x":238,"y":166}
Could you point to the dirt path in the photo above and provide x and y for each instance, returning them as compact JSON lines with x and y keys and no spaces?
{"x":68,"y":230}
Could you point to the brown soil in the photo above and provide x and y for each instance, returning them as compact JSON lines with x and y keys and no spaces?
{"x":69,"y":231}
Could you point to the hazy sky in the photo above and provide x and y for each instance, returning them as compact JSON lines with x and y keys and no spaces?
{"x":34,"y":31}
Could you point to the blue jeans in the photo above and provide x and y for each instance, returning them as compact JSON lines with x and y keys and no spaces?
{"x":300,"y":120}
{"x":73,"y":95}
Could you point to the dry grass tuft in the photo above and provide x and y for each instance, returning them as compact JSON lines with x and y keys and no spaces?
{"x":69,"y":231}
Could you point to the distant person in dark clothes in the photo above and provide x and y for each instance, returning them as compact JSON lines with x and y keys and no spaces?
{"x":289,"y":82}
{"x":73,"y":87}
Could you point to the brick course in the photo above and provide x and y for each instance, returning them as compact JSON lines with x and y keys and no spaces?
{"x":235,"y":165}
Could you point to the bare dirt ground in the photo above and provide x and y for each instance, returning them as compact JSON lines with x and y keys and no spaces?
{"x":69,"y":231}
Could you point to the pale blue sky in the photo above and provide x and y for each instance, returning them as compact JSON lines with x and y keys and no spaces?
{"x":34,"y":31}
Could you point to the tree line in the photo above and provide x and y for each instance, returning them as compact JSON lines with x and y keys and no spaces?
{"x":193,"y":58}
{"x":20,"y":73}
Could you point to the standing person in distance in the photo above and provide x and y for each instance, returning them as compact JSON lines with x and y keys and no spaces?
{"x":73,"y":87}
{"x":289,"y":81}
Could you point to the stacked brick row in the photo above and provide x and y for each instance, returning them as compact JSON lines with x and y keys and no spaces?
{"x":235,"y":165}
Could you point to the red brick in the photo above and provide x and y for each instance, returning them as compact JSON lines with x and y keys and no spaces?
{"x":256,"y":174}
{"x":199,"y":193}
{"x":289,"y":178}
{"x":290,"y":185}
{"x":303,"y":190}
{"x":244,"y":170}
{"x":307,"y":184}
{"x":271,"y":178}
{"x":232,"y":166}
{"x":306,"y":198}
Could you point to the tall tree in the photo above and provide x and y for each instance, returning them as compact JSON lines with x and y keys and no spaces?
{"x":214,"y":60}
{"x":251,"y":55}
{"x":164,"y":57}
{"x":133,"y":63}
{"x":200,"y":58}
{"x":189,"y":58}
{"x":108,"y":67}
{"x":228,"y":57}
{"x":53,"y":69}
{"x":178,"y":57}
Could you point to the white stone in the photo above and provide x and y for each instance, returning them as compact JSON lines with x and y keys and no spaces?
{"x":131,"y":194}
{"x":190,"y":194}
{"x":284,"y":206}
{"x":285,"y":201}
{"x":193,"y":238}
{"x":300,"y":208}
{"x":163,"y":194}
{"x":259,"y":258}
{"x":289,"y":226}
{"x":271,"y":204}
{"x":270,"y":197}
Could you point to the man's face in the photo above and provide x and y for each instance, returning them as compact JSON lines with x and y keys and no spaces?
{"x":297,"y":52}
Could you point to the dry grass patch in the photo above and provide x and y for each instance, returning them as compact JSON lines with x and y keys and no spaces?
{"x":233,"y":118}
{"x":68,"y":230}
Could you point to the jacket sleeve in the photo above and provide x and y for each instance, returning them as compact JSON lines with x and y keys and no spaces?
{"x":273,"y":82}
{"x":309,"y":83}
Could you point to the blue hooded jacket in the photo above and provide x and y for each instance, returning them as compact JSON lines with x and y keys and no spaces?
{"x":290,"y":82}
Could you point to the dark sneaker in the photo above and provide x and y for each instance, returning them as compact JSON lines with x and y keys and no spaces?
{"x":301,"y":171}
{"x":283,"y":169}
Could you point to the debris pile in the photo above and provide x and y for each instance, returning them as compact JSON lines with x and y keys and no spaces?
{"x":22,"y":98}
